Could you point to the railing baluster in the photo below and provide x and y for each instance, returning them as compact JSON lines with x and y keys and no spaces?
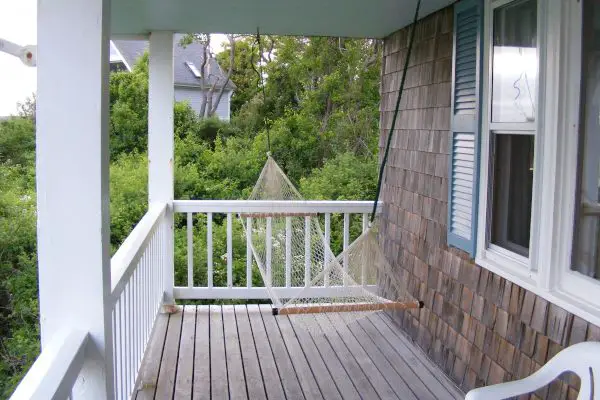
{"x":269,"y":250}
{"x":346,"y":243}
{"x":307,"y":259}
{"x":209,"y":250}
{"x":229,"y":251}
{"x":365,"y":222}
{"x":144,"y":298}
{"x":190,"y":249}
{"x":134,"y":321}
{"x":288,"y":251}
{"x":127,"y":338}
{"x":249,"y":252}
{"x":118,"y":343}
{"x":327,"y":246}
{"x":138,"y":309}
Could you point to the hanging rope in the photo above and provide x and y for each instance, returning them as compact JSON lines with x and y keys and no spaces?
{"x":391,"y":134}
{"x":261,"y":83}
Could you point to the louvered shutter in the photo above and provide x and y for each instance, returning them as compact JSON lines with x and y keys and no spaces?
{"x":465,"y":126}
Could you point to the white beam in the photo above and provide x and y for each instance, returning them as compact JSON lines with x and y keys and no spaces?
{"x":161,"y":95}
{"x":72,"y":182}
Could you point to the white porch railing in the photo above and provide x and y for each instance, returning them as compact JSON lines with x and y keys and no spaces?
{"x":231,"y":209}
{"x":137,"y":278}
{"x":137,"y":287}
{"x":53,"y":374}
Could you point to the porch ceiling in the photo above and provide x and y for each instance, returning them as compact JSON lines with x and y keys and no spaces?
{"x":349,"y":18}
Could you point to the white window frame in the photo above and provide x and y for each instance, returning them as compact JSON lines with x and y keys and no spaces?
{"x":547,"y":271}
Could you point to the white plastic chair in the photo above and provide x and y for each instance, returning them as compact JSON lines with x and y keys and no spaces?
{"x":582,"y":359}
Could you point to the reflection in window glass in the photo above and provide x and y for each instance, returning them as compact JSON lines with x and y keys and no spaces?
{"x":513,"y":188}
{"x":587,"y":258}
{"x":515,"y":65}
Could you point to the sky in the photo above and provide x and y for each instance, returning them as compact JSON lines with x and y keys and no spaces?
{"x":18,"y":24}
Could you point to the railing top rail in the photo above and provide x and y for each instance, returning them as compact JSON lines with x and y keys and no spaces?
{"x":123,"y":262}
{"x":55,"y":371}
{"x":273,"y":206}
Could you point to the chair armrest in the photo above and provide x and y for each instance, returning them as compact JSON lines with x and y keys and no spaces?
{"x":541,"y":378}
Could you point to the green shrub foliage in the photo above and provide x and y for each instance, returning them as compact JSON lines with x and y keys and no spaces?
{"x":320,"y":113}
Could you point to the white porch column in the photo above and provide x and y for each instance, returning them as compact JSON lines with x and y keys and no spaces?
{"x":161,"y":95}
{"x":72,"y":182}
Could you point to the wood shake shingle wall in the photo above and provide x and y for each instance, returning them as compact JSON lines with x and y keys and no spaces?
{"x":479,"y":327}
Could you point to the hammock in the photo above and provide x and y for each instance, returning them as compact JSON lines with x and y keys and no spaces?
{"x":299,"y":270}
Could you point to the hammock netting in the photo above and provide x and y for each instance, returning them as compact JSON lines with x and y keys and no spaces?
{"x":298,"y":268}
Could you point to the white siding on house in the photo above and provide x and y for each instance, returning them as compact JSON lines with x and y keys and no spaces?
{"x":194,"y":97}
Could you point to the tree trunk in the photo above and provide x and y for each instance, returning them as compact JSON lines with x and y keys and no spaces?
{"x":203,"y":105}
{"x":213,"y":108}
{"x":328,"y":110}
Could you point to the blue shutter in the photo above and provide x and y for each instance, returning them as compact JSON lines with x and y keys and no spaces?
{"x":465,"y":126}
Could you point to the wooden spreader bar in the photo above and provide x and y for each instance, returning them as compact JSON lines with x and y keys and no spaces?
{"x":277,"y":215}
{"x":393,"y":306}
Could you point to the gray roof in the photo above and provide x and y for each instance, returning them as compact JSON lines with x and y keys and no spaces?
{"x":132,"y":50}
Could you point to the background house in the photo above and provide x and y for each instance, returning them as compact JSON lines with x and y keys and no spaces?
{"x":187,"y":70}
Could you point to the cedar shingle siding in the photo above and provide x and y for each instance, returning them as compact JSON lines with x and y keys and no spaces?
{"x":480,"y":328}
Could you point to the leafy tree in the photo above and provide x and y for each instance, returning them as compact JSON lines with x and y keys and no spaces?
{"x":129,"y":109}
{"x":320,"y":112}
{"x":345,"y":177}
{"x":19,"y":316}
{"x":17,"y":141}
{"x":243,"y":74}
{"x":26,"y":109}
{"x":128,"y":195}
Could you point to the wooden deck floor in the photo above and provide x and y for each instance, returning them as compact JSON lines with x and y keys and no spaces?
{"x":241,"y":352}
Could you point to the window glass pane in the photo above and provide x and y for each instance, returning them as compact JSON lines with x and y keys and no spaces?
{"x":515,"y":65}
{"x":587,"y":259}
{"x":513,"y":186}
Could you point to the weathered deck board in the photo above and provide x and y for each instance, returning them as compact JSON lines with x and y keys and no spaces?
{"x":374,"y":326}
{"x":219,"y":379}
{"x":420,"y":390}
{"x":252,"y":366}
{"x":378,"y":358}
{"x":168,"y":365}
{"x":201,"y":390}
{"x":434,"y":371}
{"x":148,"y":375}
{"x":303,"y":369}
{"x":185,"y":365}
{"x":235,"y":369}
{"x":354,"y":370}
{"x":324,"y":378}
{"x":378,"y":381}
{"x":244,"y":352}
{"x":287,"y":373}
{"x":338,"y":371}
{"x":273,"y":383}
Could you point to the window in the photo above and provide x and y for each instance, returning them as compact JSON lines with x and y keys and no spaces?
{"x":194,"y":69}
{"x":514,"y":69}
{"x":512,"y":98}
{"x":538,"y":221}
{"x":513,"y":185}
{"x":587,"y":221}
